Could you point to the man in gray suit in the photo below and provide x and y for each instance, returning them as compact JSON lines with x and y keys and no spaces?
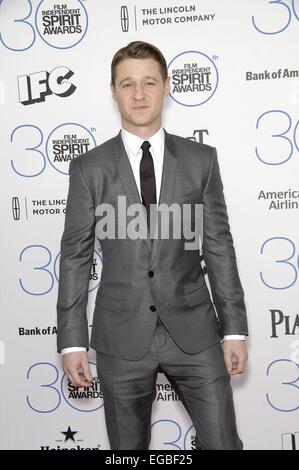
{"x":153,"y":311}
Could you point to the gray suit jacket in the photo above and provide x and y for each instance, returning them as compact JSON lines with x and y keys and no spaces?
{"x":139,"y":274}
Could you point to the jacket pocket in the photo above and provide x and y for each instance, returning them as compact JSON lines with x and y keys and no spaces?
{"x":188,"y":197}
{"x":108,"y":303}
{"x":197,"y":296}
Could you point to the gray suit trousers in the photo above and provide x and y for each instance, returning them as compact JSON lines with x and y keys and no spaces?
{"x":200,"y":380}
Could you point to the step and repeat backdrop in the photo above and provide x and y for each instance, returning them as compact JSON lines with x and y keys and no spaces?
{"x":234,"y":85}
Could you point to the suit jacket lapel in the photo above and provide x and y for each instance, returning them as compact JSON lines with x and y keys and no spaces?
{"x":130,"y":187}
{"x":128,"y":181}
{"x":167,"y":184}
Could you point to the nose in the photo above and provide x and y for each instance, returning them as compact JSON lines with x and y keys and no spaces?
{"x":139,"y":92}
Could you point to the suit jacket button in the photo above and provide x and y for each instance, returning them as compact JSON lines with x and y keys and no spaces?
{"x":153,"y":308}
{"x":151,"y":273}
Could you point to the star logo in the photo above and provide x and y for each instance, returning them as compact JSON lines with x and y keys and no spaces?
{"x":69,"y":434}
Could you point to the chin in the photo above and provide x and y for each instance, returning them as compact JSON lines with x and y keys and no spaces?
{"x":141,"y":122}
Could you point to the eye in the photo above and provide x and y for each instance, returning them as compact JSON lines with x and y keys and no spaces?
{"x":150,"y":83}
{"x":127,"y":85}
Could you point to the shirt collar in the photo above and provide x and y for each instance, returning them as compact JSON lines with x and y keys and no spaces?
{"x":134,"y":142}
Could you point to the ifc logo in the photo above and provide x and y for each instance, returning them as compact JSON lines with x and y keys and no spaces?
{"x":61,"y":25}
{"x":194,"y":78}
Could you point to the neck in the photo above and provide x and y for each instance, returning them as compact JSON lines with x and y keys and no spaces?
{"x":145,"y":132}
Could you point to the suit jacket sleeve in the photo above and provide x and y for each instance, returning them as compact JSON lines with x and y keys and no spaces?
{"x":77,"y":245}
{"x":219,"y":256}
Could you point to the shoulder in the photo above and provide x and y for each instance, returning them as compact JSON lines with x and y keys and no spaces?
{"x":99,"y":154}
{"x":190,"y":149}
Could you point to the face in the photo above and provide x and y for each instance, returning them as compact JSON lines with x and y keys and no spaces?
{"x":139,"y":92}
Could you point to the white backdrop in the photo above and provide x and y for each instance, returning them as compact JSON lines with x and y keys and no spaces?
{"x":234,"y":69}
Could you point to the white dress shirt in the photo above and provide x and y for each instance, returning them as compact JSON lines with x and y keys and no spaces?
{"x":132,"y":145}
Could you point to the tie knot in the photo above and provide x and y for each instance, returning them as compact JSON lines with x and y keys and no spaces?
{"x":146,"y":145}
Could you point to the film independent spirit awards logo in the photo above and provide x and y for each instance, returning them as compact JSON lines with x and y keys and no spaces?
{"x":61,"y":24}
{"x":66,"y":142}
{"x":194,"y":78}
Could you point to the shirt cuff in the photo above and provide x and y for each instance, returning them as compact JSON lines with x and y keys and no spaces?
{"x":237,"y":337}
{"x":69,"y":350}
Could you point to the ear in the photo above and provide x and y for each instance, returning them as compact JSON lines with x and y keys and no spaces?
{"x":113,"y":92}
{"x":167,"y":86}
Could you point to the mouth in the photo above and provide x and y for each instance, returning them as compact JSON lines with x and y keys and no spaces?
{"x":140,"y":108}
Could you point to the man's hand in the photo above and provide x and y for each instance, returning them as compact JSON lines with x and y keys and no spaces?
{"x":76,"y":367}
{"x":235,"y":356}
